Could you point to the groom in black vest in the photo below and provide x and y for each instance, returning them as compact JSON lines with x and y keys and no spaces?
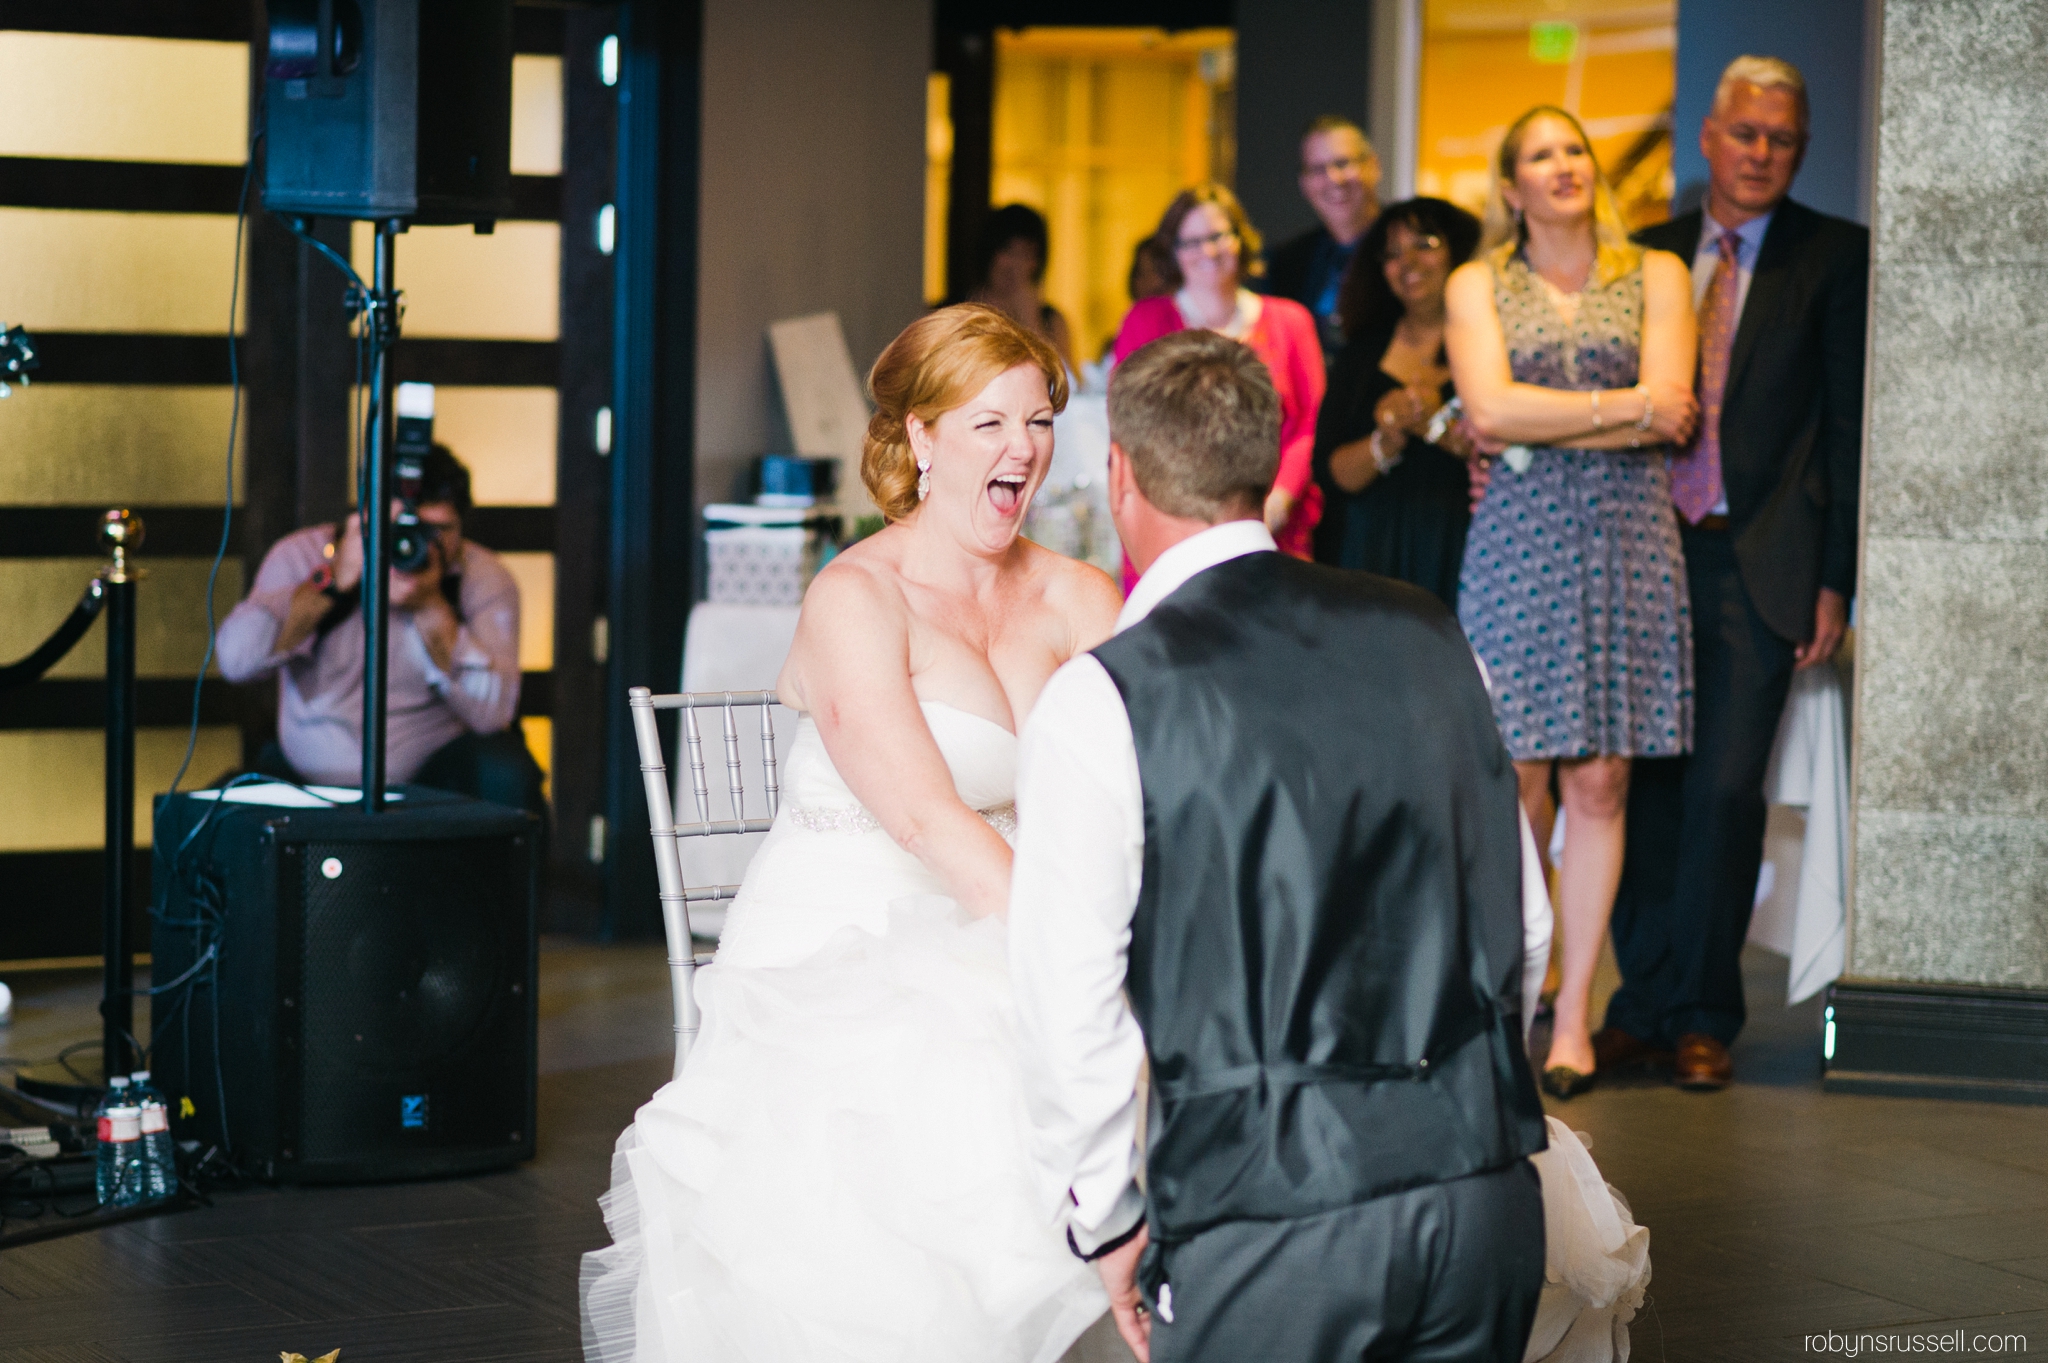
{"x":1269,"y":843}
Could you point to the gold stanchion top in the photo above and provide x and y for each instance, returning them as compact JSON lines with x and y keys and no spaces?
{"x":121,"y":531}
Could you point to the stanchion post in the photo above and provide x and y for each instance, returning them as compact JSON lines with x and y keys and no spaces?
{"x":122,"y":533}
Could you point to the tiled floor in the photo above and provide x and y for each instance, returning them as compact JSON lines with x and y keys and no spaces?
{"x":1776,"y":1212}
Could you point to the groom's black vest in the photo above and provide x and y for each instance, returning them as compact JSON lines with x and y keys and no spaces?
{"x":1327,"y":952}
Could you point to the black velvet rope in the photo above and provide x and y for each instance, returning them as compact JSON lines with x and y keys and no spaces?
{"x":73,"y":629}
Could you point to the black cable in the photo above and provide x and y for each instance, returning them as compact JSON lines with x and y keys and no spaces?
{"x":64,"y":1059}
{"x":59,"y":643}
{"x":227,"y":510}
{"x":14,"y":1063}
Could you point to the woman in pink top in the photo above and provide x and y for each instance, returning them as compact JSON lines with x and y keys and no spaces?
{"x":1210,"y":237}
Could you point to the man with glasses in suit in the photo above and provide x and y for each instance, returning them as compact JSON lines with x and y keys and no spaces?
{"x":1766,"y":496}
{"x":1340,"y":178}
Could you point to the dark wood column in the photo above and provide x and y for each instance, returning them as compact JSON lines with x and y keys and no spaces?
{"x":582,"y":475}
{"x":965,"y":49}
{"x":653,"y":455}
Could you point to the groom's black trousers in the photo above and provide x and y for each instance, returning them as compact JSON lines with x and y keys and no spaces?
{"x":1446,"y":1273}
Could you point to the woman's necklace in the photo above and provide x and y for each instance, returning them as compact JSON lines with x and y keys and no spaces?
{"x":1233,"y":323}
{"x":1567,"y":304}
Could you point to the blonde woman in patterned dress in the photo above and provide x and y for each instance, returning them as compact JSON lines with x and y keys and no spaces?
{"x":1573,"y":350}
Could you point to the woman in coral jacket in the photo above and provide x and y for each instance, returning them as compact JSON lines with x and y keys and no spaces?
{"x":1214,"y":246}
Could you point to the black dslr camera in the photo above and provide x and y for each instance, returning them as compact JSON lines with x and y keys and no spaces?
{"x":412,"y":539}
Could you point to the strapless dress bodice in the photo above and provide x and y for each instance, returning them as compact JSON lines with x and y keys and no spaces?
{"x":980,"y":754}
{"x":828,"y":865}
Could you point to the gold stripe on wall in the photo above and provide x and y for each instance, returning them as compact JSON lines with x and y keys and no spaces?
{"x":123,"y":99}
{"x":506,"y":438}
{"x":536,"y":115}
{"x":89,"y":444}
{"x":505,"y":286}
{"x":52,"y":782}
{"x":539,"y":732}
{"x":536,"y":576}
{"x":170,"y":612}
{"x":82,"y":270}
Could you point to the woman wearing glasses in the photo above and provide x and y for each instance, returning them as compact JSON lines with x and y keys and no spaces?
{"x":1214,"y":247}
{"x":1394,"y":502}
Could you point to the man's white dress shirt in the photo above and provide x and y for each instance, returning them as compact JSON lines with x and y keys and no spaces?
{"x":1706,"y":257}
{"x":1073,"y":892}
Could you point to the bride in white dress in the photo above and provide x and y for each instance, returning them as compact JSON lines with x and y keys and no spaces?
{"x":841,"y":1171}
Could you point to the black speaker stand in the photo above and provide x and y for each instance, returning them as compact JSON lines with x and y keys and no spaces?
{"x":381,"y":305}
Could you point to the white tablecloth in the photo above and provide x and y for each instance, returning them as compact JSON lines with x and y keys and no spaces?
{"x":1802,"y":907}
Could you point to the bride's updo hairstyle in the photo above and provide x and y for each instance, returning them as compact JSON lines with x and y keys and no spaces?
{"x":939,"y":362}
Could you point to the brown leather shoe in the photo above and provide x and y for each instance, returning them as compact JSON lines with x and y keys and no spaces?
{"x":1703,"y":1064}
{"x":1615,"y":1050}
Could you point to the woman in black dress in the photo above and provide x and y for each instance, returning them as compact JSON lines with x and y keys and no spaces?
{"x":1395,"y":504}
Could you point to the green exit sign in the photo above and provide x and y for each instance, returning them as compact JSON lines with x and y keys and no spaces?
{"x":1553,"y":44}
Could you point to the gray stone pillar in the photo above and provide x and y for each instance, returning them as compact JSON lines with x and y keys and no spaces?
{"x":1947,"y":987}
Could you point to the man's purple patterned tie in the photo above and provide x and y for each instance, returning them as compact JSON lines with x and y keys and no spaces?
{"x":1696,"y":474}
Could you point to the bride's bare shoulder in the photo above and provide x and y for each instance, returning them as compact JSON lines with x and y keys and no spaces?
{"x":862,"y":581}
{"x":1082,"y":596}
{"x":854,"y":621}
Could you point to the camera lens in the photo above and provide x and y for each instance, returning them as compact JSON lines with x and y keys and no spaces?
{"x":412,"y":542}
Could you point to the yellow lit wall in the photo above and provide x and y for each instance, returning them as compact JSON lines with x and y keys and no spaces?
{"x":1098,"y":129}
{"x":120,"y":99}
{"x":63,"y":444}
{"x":124,"y":99}
{"x":938,"y":171}
{"x":1483,"y":66}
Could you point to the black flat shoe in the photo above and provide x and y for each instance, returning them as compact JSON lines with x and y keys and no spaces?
{"x":1562,"y":1081}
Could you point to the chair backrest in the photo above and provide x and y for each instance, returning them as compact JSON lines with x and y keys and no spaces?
{"x":676,"y":897}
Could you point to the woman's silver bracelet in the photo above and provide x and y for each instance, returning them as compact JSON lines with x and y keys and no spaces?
{"x":1649,"y":408}
{"x":1380,"y":458}
{"x":1598,"y":424}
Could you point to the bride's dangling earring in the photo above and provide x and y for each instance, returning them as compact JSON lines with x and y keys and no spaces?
{"x":924,"y":479}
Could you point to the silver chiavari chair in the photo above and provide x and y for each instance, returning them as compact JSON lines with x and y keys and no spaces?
{"x":676,"y":897}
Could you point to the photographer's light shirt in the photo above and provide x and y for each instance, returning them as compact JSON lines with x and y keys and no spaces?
{"x":320,"y":683}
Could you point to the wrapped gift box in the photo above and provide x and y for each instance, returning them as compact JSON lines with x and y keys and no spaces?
{"x":763,"y":556}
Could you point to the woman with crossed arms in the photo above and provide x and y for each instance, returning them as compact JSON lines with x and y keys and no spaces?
{"x":1573,"y":351}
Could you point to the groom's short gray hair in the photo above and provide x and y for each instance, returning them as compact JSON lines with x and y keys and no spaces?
{"x":1198,"y":417}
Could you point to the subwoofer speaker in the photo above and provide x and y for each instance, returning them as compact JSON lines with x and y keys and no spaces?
{"x":389,"y":109}
{"x":347,"y":997}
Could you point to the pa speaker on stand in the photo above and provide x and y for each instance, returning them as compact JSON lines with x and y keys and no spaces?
{"x":389,"y":109}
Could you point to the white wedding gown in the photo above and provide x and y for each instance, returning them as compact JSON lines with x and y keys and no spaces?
{"x":841,"y":1171}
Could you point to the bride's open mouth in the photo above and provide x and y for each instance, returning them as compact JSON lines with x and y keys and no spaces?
{"x":1006,"y":493}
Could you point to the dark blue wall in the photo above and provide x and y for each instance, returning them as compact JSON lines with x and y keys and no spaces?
{"x":1825,"y":40}
{"x":1296,"y":59}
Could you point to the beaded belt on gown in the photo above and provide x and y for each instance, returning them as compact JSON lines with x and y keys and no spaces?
{"x":856,"y":819}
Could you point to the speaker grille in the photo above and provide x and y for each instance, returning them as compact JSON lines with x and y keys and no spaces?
{"x":413,"y":971}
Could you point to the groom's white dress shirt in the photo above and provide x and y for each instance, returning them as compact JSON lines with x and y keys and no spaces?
{"x":1074,"y":888}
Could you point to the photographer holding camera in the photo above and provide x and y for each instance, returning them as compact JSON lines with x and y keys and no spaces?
{"x":454,"y":655}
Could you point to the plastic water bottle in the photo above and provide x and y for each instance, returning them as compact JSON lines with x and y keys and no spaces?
{"x":103,"y":1168}
{"x":160,"y":1158}
{"x":131,"y":1171}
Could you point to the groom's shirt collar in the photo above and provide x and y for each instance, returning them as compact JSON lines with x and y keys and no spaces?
{"x":1218,"y":544}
